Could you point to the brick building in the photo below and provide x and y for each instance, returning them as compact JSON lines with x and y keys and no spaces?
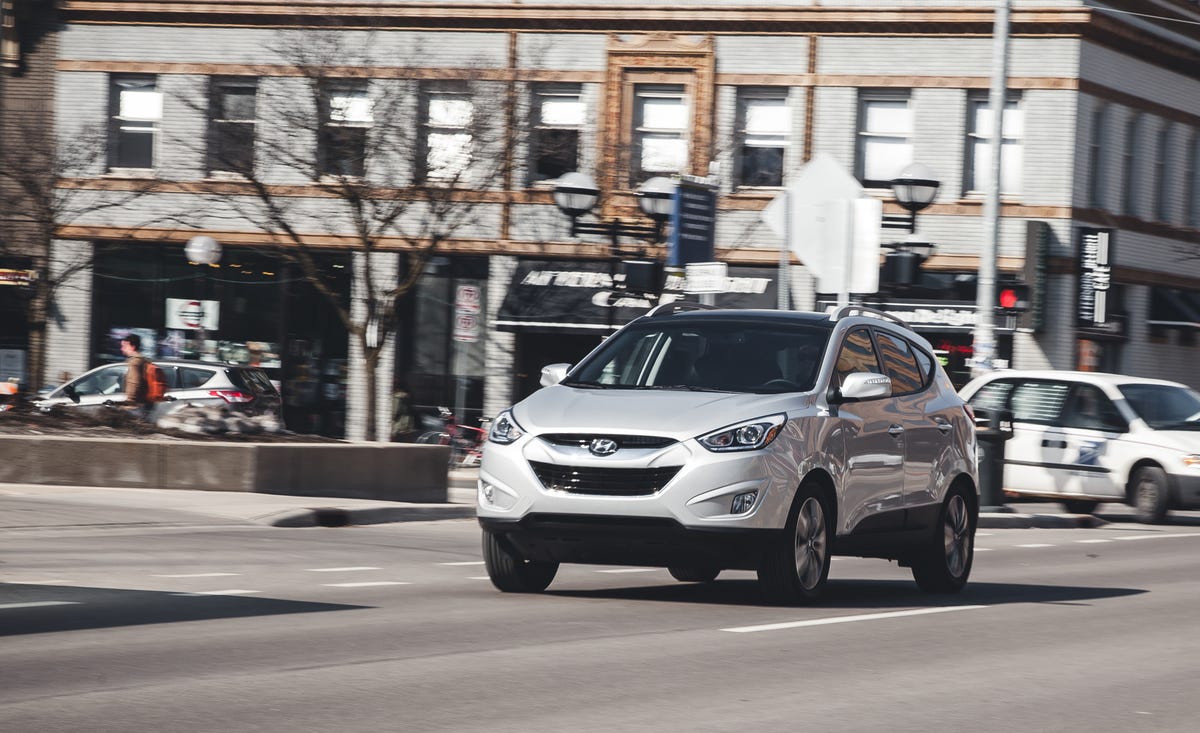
{"x":1102,"y":145}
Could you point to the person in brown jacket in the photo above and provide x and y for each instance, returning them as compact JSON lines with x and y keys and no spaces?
{"x":135,"y":375}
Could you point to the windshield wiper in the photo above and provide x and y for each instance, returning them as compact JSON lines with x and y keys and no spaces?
{"x":589,"y":385}
{"x":688,"y":387}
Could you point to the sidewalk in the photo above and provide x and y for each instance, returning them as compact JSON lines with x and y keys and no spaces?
{"x":278,"y":510}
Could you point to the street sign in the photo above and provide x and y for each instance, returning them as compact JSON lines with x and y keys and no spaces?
{"x":466,"y":328}
{"x":693,"y":224}
{"x":467,"y":299}
{"x":193,"y":315}
{"x":706,"y":277}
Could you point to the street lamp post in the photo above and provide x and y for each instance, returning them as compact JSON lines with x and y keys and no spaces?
{"x":576,"y":194}
{"x":203,"y":250}
{"x":914,"y":189}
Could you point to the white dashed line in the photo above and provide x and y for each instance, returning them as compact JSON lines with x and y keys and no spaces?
{"x":340,"y":570}
{"x":479,"y":577}
{"x":229,"y":592}
{"x":1153,"y":537}
{"x":983,"y":549}
{"x":366,"y":584}
{"x":847,"y":619}
{"x":470,"y":562}
{"x":1034,"y":545}
{"x":196,"y":575}
{"x":37,"y":604}
{"x":629,"y":570}
{"x":45,"y":582}
{"x":1091,"y":542}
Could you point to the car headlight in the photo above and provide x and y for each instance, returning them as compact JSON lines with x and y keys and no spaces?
{"x":505,"y":429}
{"x":749,"y":435}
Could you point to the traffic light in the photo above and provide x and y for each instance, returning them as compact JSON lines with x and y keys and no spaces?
{"x":1012,"y":297}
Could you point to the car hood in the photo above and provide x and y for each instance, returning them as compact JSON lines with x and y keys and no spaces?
{"x":674,"y":413}
{"x":1185,"y":441}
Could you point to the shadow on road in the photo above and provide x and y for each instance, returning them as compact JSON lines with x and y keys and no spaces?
{"x":96,"y":608}
{"x":872,"y":594}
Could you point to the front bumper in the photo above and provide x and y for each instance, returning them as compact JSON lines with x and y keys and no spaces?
{"x":1186,"y":491}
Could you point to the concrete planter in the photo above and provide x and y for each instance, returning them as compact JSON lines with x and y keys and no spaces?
{"x":389,"y":471}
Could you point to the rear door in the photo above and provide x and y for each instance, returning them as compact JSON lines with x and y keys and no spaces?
{"x":1037,"y":449}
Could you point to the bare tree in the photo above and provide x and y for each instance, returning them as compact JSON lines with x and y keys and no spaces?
{"x":39,"y":194}
{"x":389,"y":163}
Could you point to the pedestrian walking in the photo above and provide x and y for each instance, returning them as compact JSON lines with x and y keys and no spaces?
{"x":136,"y":386}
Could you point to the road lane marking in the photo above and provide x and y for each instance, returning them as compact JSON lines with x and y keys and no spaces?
{"x":847,"y":619}
{"x":195,"y":575}
{"x":341,"y":570}
{"x":983,"y":549}
{"x":479,"y":577}
{"x":37,"y":604}
{"x":45,"y":582}
{"x":366,"y":583}
{"x":1091,"y":542}
{"x":1153,"y":536}
{"x":629,"y":570}
{"x":229,"y":592}
{"x":470,"y":562}
{"x":1035,"y":544}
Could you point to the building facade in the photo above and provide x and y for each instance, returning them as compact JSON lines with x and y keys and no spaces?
{"x":1100,"y":209}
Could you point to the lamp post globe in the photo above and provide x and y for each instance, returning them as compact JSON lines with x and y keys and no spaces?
{"x":576,"y":193}
{"x":203,"y":249}
{"x":915,"y":187}
{"x":655,"y":197}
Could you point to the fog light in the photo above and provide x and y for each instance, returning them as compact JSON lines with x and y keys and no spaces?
{"x":743,"y":503}
{"x":488,"y":492}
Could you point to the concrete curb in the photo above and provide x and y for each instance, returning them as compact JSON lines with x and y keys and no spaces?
{"x":340,"y":517}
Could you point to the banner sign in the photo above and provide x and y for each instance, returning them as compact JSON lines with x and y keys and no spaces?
{"x":17,"y":277}
{"x":193,"y":315}
{"x":693,"y":225}
{"x":1095,"y":275}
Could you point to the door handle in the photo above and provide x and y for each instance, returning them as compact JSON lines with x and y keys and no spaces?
{"x":895,"y":431}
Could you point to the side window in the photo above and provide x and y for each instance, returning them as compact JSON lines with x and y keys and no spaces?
{"x":924,"y":363}
{"x":107,"y":381}
{"x":1037,"y":401}
{"x":857,"y":355}
{"x":1089,"y":408}
{"x":192,"y":377}
{"x":899,"y":363}
{"x":992,"y":396}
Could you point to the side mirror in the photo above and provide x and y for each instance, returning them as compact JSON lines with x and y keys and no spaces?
{"x":552,"y":374}
{"x":69,"y":391}
{"x":864,"y":386}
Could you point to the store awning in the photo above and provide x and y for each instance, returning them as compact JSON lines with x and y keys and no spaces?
{"x":1174,"y":308}
{"x":563,"y":296}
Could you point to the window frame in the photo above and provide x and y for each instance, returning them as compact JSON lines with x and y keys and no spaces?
{"x":640,"y":131}
{"x":1129,"y":171}
{"x":746,"y":95}
{"x":862,"y":135}
{"x":1098,"y":147}
{"x":924,"y":379}
{"x":1191,"y":183}
{"x":326,"y":144}
{"x":538,"y":127}
{"x":216,"y":121}
{"x":119,"y":124}
{"x":838,"y":374}
{"x":977,"y":103}
{"x":1161,"y":171}
{"x":431,"y":128}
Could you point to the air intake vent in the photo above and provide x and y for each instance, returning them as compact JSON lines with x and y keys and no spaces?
{"x":623,"y":441}
{"x":603,"y":481}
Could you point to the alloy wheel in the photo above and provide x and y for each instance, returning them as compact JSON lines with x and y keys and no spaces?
{"x":811,"y":543}
{"x":956,"y":531}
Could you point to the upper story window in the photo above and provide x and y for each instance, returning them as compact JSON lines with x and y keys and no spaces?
{"x":1129,"y":165}
{"x":557,"y":119}
{"x":1160,"y":173}
{"x":232,"y":117}
{"x":135,"y":106}
{"x":979,"y":145}
{"x":1191,"y":183}
{"x":448,"y":116}
{"x":660,"y":131}
{"x":763,"y":124}
{"x":1097,"y":151}
{"x":884,"y":137}
{"x":345,"y":122}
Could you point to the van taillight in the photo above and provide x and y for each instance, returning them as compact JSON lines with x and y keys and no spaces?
{"x":231,"y":396}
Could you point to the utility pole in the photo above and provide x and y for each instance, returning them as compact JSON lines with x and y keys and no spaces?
{"x":984,"y":335}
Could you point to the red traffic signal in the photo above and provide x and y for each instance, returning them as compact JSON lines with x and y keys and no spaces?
{"x":1012,"y":297}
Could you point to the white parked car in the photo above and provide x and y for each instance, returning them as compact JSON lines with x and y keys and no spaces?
{"x":701,"y":440}
{"x":1087,"y":437}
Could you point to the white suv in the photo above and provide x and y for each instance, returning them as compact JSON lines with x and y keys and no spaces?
{"x":1087,"y":437}
{"x":701,"y":440}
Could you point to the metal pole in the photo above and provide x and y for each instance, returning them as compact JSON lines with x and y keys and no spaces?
{"x":984,"y":335}
{"x":783,"y":299}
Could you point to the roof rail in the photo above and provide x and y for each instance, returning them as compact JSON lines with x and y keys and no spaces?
{"x":667,"y":309}
{"x":849,"y":310}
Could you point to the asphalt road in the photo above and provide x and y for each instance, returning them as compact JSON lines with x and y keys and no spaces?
{"x":170,"y":621}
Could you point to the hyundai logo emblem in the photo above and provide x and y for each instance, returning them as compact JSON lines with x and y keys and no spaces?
{"x":602,"y":447}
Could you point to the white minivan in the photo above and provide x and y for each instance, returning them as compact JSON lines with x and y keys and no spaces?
{"x":1088,"y":437}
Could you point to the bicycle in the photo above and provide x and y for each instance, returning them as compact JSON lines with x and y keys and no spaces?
{"x":465,"y":441}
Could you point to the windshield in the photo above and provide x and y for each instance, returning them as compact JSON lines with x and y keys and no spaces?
{"x":719,"y":356}
{"x":1164,"y":406}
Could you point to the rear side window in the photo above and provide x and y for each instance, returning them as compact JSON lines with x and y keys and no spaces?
{"x":193,"y":377}
{"x":1037,"y":401}
{"x":900,"y":364}
{"x":252,"y":380}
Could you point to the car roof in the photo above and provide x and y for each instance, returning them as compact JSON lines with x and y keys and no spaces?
{"x":191,"y":363}
{"x":1097,"y":378}
{"x":744,"y":314}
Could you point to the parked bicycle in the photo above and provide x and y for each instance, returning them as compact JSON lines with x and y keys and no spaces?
{"x":465,"y":441}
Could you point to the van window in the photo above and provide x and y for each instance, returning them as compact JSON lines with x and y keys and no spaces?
{"x":1038,"y":401}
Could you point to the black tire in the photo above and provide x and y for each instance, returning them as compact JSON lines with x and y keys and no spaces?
{"x":512,"y":573}
{"x":795,"y":567}
{"x":1150,"y":494}
{"x":1080,"y":506}
{"x":694,"y":574}
{"x":945,"y":564}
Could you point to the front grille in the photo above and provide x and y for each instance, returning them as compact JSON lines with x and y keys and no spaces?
{"x":603,"y":481}
{"x":622,"y":441}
